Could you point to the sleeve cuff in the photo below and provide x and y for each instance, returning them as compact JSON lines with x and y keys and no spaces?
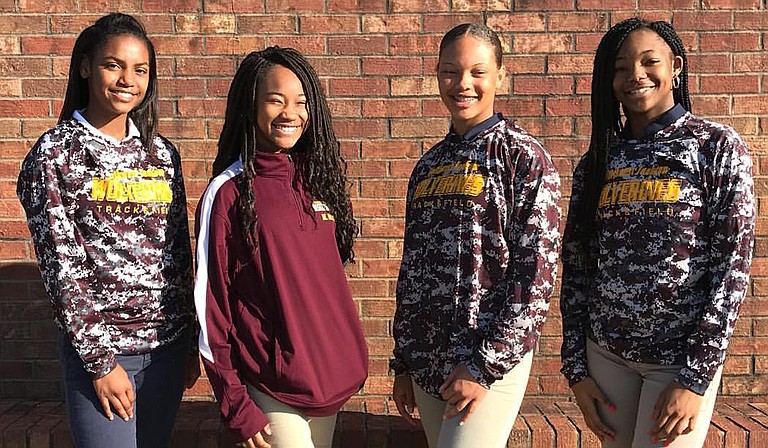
{"x":696,"y":384}
{"x":397,"y":366}
{"x":481,"y":374}
{"x":101,"y":367}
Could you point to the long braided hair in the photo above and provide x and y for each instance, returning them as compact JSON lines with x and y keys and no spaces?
{"x":322,"y":169}
{"x":606,"y":116}
{"x":90,"y":41}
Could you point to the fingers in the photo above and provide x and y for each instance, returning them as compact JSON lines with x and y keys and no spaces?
{"x":402,"y":395}
{"x":587,"y":394}
{"x":260,"y":442}
{"x":446,"y":384}
{"x":471,"y":408}
{"x":107,"y":408}
{"x":454,"y":409}
{"x":122,"y":406}
{"x":595,"y":423}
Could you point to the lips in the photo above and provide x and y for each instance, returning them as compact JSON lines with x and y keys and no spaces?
{"x":463,"y":101}
{"x":285,"y":129}
{"x":637,"y":91}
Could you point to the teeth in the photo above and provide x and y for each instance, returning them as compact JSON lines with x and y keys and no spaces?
{"x":463,"y":99}
{"x":640,"y":90}
{"x":287,"y":129}
{"x":124,"y":95}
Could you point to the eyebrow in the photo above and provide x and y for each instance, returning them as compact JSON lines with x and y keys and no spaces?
{"x":122,"y":62}
{"x":282,"y":94}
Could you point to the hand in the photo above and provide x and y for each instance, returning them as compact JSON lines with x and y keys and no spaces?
{"x":462,"y":391}
{"x":192,"y":370}
{"x":402,"y":394}
{"x":587,"y":393}
{"x":258,"y":440}
{"x":115,"y":389}
{"x":675,"y":413}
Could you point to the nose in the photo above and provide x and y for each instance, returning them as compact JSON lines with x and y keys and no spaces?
{"x":637,"y":72}
{"x":126,"y":78}
{"x":465,"y":81}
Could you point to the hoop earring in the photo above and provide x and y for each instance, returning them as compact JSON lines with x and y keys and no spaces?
{"x":676,"y":82}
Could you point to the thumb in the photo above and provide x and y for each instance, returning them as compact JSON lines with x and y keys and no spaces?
{"x":447,"y":382}
{"x":267,"y":430}
{"x":600,"y":397}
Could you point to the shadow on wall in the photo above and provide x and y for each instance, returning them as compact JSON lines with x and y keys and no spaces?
{"x":29,"y":366}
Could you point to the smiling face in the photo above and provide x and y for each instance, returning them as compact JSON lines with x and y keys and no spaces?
{"x":118,"y":76}
{"x":642,"y":83}
{"x":468,"y":77}
{"x":281,"y":110}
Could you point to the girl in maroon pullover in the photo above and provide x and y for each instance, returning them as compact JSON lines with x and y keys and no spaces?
{"x":280,"y":335}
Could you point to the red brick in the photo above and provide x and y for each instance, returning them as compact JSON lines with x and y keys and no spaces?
{"x":391,"y":66}
{"x":358,"y":86}
{"x":335,"y":65}
{"x":731,"y":41}
{"x":429,"y":6}
{"x":702,"y":20}
{"x":246,"y":6}
{"x":542,"y":85}
{"x":172,"y":6}
{"x":307,"y":45}
{"x":363,"y":128}
{"x":237,"y":46}
{"x":267,"y":24}
{"x":441,"y":23}
{"x":344,"y":108}
{"x":357,"y":5}
{"x":543,"y":43}
{"x":517,"y":22}
{"x":20,"y":66}
{"x":24,"y":108}
{"x":205,"y":66}
{"x":544,"y":5}
{"x":418,"y":127}
{"x":22,"y":24}
{"x":43,"y":88}
{"x":44,"y":6}
{"x":417,"y":44}
{"x":587,"y":21}
{"x":178,"y":45}
{"x":329,"y":24}
{"x":731,"y":4}
{"x":570,"y":64}
{"x":375,"y":149}
{"x":730,"y":83}
{"x":668,"y":4}
{"x":380,"y":268}
{"x":395,"y":23}
{"x":357,"y":45}
{"x":294,"y":5}
{"x":389,"y":107}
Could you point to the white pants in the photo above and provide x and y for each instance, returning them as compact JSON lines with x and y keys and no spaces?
{"x":489,"y":426}
{"x":634,"y":388}
{"x":291,"y":429}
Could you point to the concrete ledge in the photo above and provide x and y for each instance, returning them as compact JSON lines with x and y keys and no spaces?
{"x":541,"y":424}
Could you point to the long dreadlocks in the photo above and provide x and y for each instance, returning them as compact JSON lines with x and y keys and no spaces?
{"x":323,"y":170}
{"x":606,"y":117}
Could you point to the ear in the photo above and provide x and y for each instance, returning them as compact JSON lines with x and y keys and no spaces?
{"x":500,"y":78}
{"x":677,"y":66}
{"x":85,"y":67}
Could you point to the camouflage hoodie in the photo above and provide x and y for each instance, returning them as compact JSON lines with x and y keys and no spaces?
{"x":479,"y":255}
{"x":663,"y":276}
{"x":109,"y":224}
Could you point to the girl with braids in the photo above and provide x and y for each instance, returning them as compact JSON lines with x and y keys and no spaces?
{"x":280,"y":335}
{"x":657,"y":248}
{"x":106,"y":208}
{"x":479,"y":258}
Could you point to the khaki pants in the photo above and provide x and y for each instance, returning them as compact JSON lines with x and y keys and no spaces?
{"x":489,"y":426}
{"x":291,"y":429}
{"x":634,"y":388}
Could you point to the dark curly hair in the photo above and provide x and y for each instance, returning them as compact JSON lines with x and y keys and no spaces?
{"x":606,"y":116}
{"x":323,"y":170}
{"x":90,"y":41}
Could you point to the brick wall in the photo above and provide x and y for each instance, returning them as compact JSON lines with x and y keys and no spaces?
{"x":376,"y":60}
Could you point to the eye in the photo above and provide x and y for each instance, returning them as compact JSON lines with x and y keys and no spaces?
{"x":142,"y":71}
{"x":112,"y":66}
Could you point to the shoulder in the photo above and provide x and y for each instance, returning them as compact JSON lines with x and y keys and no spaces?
{"x":716,"y":138}
{"x":221,"y":192}
{"x":522,"y":145}
{"x":57,"y":139}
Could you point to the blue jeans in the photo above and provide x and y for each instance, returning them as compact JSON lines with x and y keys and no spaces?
{"x":158,"y":383}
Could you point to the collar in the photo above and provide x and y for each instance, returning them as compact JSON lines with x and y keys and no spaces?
{"x":133,"y":131}
{"x":477,"y":129}
{"x":661,"y":122}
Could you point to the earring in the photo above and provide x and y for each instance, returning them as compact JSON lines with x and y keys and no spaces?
{"x":676,"y":82}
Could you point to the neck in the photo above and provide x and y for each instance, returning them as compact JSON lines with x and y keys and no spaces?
{"x":115,"y":126}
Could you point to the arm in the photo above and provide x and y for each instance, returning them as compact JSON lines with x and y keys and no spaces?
{"x":64,"y":265}
{"x":731,"y":216}
{"x":180,"y":250}
{"x":241,"y":415}
{"x":533,"y":237}
{"x":579,"y":267}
